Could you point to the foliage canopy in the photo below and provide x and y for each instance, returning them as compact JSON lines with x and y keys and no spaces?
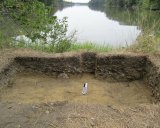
{"x":36,"y":22}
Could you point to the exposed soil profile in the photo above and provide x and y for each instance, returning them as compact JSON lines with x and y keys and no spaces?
{"x":40,"y":90}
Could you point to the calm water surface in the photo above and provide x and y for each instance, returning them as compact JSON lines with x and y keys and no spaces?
{"x":94,"y":26}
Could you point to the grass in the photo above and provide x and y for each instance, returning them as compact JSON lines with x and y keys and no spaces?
{"x":4,"y":41}
{"x":149,"y":39}
{"x":146,"y":43}
{"x":90,"y":47}
{"x":87,"y":46}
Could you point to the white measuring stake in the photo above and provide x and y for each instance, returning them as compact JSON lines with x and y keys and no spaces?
{"x":84,"y":90}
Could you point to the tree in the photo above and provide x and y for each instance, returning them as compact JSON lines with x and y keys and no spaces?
{"x":37,"y":23}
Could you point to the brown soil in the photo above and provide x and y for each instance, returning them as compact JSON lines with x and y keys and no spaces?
{"x":35,"y":101}
{"x":36,"y":88}
{"x":63,"y":115}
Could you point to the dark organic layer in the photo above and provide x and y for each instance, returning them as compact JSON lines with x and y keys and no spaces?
{"x":120,"y":67}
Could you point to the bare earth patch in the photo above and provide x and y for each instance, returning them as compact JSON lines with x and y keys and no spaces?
{"x":33,"y":96}
{"x":66,"y":115}
{"x":36,"y":88}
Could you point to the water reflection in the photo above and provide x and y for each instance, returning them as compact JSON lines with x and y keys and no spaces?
{"x":97,"y":27}
{"x":145,"y":19}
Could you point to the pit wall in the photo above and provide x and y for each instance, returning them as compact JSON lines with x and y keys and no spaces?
{"x":113,"y":67}
{"x":120,"y":67}
{"x":152,"y":76}
{"x":7,"y":73}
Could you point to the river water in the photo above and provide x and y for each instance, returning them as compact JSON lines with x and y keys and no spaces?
{"x":97,"y":27}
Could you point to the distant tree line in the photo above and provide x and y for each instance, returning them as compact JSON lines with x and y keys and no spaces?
{"x":97,"y":2}
{"x":147,"y":4}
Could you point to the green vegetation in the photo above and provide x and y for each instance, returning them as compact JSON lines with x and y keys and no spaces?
{"x":35,"y":25}
{"x":149,"y":39}
{"x":146,"y":43}
{"x":97,"y":2}
{"x":54,"y":4}
{"x":90,"y":47}
{"x":37,"y":29}
{"x":30,"y":24}
{"x":148,"y":4}
{"x":148,"y":21}
{"x":65,"y":46}
{"x":4,"y":43}
{"x":7,"y":30}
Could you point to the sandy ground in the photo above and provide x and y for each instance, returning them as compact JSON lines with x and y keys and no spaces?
{"x":66,"y":115}
{"x":27,"y":105}
{"x":36,"y":88}
{"x":40,"y":101}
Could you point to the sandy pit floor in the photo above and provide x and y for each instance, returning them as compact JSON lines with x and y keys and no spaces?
{"x":36,"y":88}
{"x":41,"y":101}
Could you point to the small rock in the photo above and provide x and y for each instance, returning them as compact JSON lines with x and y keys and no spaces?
{"x":93,"y":122}
{"x":9,"y":107}
{"x":63,"y":75}
{"x":35,"y":107}
{"x":47,"y":112}
{"x":18,"y":126}
{"x":92,"y":118}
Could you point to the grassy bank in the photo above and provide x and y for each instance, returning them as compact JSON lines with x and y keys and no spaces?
{"x":90,"y":47}
{"x":69,"y":46}
{"x":145,"y":43}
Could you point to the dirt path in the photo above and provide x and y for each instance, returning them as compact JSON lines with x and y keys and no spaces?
{"x":62,"y":115}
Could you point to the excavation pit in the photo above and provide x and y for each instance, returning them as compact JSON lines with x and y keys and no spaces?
{"x":112,"y":79}
{"x":45,"y":90}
